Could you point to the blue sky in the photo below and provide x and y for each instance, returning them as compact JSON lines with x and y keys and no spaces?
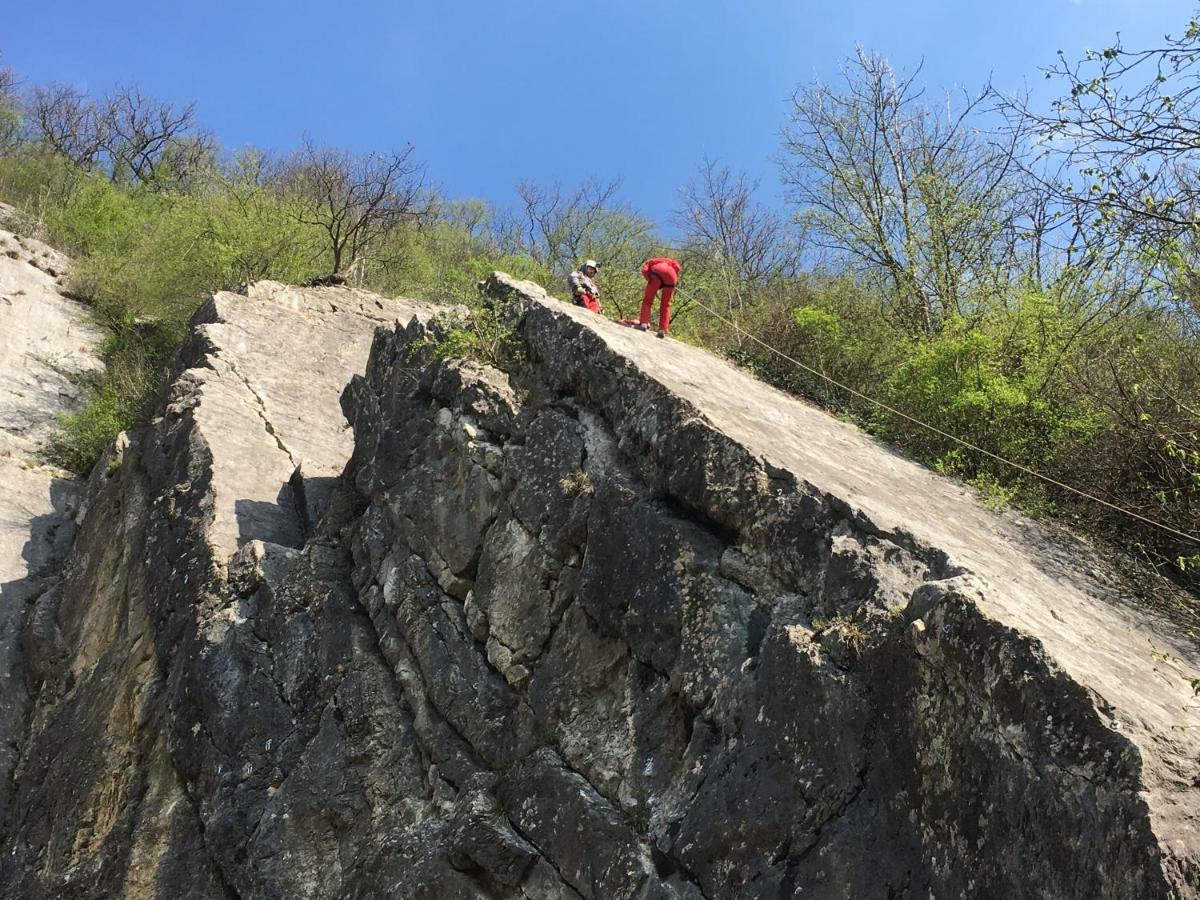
{"x":493,"y":92}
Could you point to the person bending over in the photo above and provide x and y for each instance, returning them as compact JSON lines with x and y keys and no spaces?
{"x":661,"y":274}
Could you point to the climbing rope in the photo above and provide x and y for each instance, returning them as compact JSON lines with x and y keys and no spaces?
{"x":933,"y":428}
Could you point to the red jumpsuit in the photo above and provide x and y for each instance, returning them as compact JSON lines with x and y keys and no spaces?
{"x":660,"y":273}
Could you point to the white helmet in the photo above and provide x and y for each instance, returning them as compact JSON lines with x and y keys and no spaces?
{"x":591,"y":264}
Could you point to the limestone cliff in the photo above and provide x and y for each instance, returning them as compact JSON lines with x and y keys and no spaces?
{"x":619,"y":623}
{"x":46,"y":342}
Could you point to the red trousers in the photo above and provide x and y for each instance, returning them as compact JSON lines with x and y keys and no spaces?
{"x":588,"y":301}
{"x":659,"y":278}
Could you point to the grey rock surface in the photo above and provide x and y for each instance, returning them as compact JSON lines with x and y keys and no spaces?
{"x":149,"y":634}
{"x":619,"y":623}
{"x":46,"y":341}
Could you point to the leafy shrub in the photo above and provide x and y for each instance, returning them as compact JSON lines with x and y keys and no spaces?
{"x":85,"y":435}
{"x":137,"y":360}
{"x":97,"y":217}
{"x":991,"y":385}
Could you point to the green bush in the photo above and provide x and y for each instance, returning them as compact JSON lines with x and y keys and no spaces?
{"x":136,"y":359}
{"x":146,"y":260}
{"x":97,"y":217}
{"x":990,"y":384}
{"x":444,"y":264}
{"x":35,"y":180}
{"x":83,"y":436}
{"x":480,"y":331}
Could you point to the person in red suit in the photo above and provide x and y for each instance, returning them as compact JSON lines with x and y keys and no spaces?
{"x":661,"y":274}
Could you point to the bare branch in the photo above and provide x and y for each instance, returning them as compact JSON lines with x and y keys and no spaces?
{"x":66,"y":120}
{"x":719,"y":217}
{"x":913,"y":195}
{"x":561,"y":227}
{"x":356,"y":200}
{"x":139,"y":134}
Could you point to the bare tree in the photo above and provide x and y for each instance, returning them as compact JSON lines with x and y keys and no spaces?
{"x":474,"y":217}
{"x":1118,"y":154}
{"x":909,"y":193}
{"x":140,"y":135}
{"x":722,"y":222}
{"x":488,"y":227}
{"x":1127,"y":130}
{"x":509,"y":231}
{"x":561,"y":226}
{"x":355,"y":200}
{"x":67,"y":122}
{"x":133,"y":137}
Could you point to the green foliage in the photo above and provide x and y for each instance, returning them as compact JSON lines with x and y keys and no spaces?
{"x":185,"y":247}
{"x":992,"y":385}
{"x":251,"y":230}
{"x":444,"y":263}
{"x":85,"y":435}
{"x":482,"y":331}
{"x":35,"y":180}
{"x":97,"y":217}
{"x":11,"y":119}
{"x":146,"y":258}
{"x":136,"y":360}
{"x":829,"y":323}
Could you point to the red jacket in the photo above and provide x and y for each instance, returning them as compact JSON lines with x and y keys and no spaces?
{"x":658,"y":265}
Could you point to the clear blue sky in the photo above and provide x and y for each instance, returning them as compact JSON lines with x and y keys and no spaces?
{"x":493,"y":92}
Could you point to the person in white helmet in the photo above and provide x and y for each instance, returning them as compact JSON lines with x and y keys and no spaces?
{"x":584,"y":291}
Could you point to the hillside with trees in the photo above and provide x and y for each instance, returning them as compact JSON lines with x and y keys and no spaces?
{"x":1023,"y":276}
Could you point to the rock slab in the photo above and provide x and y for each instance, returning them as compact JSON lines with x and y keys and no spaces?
{"x":47,"y":342}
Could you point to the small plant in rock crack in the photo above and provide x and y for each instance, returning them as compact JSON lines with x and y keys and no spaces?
{"x":850,"y":632}
{"x":577,"y":484}
{"x":483,"y":331}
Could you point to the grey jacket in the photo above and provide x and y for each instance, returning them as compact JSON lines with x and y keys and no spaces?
{"x":581,"y":284}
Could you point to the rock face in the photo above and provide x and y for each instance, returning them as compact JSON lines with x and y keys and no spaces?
{"x":46,"y":340}
{"x":242,"y":457}
{"x":620,"y":623}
